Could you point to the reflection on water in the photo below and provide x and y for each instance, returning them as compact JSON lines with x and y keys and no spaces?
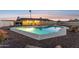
{"x":40,"y":30}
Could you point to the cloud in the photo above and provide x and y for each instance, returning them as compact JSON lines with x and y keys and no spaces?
{"x":49,"y":16}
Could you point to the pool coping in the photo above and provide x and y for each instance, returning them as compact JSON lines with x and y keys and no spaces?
{"x":61,"y":32}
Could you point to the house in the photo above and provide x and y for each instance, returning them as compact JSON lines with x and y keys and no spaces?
{"x":74,"y":22}
{"x":31,"y":21}
{"x":4,"y":23}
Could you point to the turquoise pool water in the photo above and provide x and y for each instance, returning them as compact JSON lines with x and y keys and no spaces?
{"x":39,"y":30}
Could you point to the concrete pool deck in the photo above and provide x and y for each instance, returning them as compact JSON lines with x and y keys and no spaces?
{"x":61,"y":32}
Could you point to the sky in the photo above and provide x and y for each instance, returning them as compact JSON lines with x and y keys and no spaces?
{"x":63,"y":15}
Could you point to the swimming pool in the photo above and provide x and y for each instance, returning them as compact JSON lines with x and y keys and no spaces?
{"x":39,"y":30}
{"x":40,"y":33}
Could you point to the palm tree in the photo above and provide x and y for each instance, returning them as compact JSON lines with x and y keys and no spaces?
{"x":30,"y":13}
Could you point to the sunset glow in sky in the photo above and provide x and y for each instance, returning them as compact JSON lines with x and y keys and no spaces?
{"x":63,"y":15}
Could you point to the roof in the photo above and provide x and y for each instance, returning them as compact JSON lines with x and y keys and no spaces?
{"x":7,"y":20}
{"x":33,"y":19}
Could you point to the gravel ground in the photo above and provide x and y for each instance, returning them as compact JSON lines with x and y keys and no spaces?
{"x":15,"y":40}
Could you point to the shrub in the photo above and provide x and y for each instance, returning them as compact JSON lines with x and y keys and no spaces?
{"x":3,"y":35}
